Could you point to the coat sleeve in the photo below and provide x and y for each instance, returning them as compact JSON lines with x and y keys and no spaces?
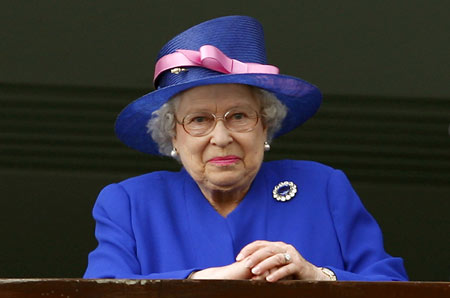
{"x":360,"y":237}
{"x":115,"y":255}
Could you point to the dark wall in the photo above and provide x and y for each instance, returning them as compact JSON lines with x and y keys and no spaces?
{"x":67,"y":68}
{"x":353,"y":47}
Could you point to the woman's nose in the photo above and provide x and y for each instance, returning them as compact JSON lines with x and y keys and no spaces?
{"x":220,"y":135}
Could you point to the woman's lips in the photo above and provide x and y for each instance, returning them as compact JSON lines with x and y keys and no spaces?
{"x":224,"y":160}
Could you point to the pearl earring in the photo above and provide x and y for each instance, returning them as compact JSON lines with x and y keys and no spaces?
{"x":266,"y":146}
{"x":174,"y":152}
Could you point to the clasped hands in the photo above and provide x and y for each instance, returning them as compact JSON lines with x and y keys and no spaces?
{"x":265,"y":260}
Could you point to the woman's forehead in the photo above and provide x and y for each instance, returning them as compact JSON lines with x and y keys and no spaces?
{"x":216,"y":98}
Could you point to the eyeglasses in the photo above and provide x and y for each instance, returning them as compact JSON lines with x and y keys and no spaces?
{"x":240,"y":119}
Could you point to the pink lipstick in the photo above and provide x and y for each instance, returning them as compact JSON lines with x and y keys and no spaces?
{"x":224,"y":160}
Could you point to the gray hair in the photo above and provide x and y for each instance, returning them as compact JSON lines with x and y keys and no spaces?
{"x":161,"y":125}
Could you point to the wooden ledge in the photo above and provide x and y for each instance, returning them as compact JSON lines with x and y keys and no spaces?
{"x":85,"y":288}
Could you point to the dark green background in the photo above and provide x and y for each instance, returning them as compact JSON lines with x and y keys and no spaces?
{"x":68,"y":67}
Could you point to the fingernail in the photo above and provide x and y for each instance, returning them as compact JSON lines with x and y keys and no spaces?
{"x":239,"y":257}
{"x":256,"y":270}
{"x":269,"y":278}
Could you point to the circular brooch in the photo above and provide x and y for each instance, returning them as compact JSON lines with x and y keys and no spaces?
{"x":284,"y":191}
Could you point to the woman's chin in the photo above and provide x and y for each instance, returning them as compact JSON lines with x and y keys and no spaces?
{"x":226,"y":180}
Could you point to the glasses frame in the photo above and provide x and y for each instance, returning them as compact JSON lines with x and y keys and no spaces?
{"x":217,"y":118}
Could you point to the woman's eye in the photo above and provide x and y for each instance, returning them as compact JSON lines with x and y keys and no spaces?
{"x":238,"y":116}
{"x":199,"y":119}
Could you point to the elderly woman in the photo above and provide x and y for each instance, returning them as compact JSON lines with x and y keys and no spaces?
{"x":227,"y":214}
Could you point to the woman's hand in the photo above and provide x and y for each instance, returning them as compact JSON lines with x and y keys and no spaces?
{"x":236,"y":270}
{"x":274,"y":261}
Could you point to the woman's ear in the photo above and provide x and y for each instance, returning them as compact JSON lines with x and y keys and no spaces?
{"x":265,"y":131}
{"x":174,"y":141}
{"x":174,"y":152}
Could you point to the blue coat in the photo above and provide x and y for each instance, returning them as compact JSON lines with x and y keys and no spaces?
{"x":159,"y":225}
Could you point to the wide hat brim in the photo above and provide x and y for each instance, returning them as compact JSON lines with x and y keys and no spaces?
{"x":301,"y":98}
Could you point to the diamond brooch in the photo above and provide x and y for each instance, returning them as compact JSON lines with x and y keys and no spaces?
{"x":284,"y":191}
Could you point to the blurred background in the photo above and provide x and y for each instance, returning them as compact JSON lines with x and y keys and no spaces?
{"x":68,"y":67}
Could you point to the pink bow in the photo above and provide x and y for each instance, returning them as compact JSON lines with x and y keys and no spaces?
{"x":212,"y":58}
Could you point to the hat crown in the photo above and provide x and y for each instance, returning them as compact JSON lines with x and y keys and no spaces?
{"x":238,"y":37}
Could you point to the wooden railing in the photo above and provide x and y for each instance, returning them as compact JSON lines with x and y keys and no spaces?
{"x":72,"y":288}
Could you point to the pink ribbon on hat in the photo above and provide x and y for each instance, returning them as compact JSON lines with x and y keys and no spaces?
{"x":210,"y":57}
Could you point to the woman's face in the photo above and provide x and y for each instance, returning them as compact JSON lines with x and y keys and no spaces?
{"x":222,"y":160}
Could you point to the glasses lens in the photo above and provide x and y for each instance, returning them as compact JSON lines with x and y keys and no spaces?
{"x":197,"y":124}
{"x":241,"y":119}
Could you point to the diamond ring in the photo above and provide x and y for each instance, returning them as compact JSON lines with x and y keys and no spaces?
{"x":287,"y":257}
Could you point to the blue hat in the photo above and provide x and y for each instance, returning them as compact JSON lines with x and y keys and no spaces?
{"x":226,"y":50}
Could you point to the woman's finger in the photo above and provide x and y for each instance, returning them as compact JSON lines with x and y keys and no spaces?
{"x":264,"y":275}
{"x":251,"y":248}
{"x":261,"y":276}
{"x":261,"y":255}
{"x":266,"y":256}
{"x":232,"y":271}
{"x":284,"y":272}
{"x":275,"y":261}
